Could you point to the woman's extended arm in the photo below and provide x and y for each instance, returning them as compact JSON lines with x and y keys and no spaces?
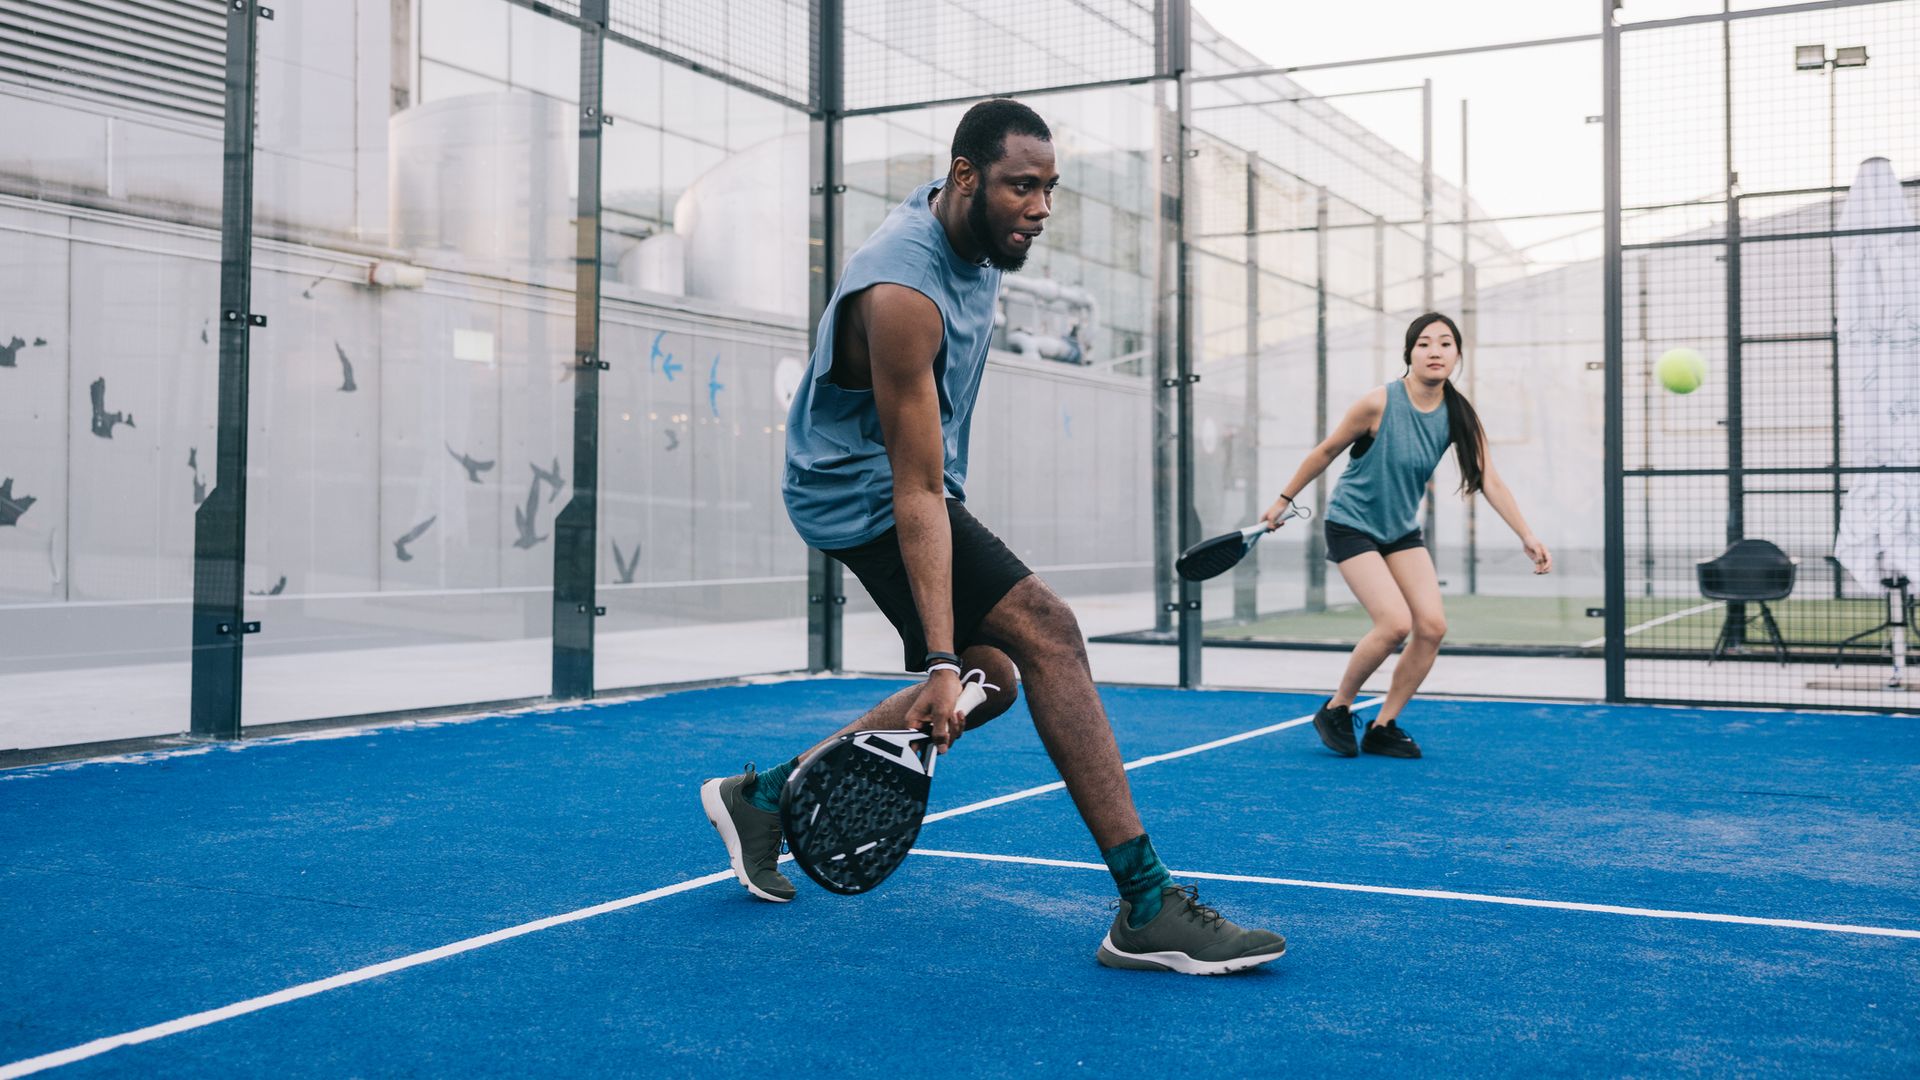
{"x":1500,"y":497}
{"x":1359,"y":421}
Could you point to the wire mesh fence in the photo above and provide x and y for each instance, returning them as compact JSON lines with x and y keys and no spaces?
{"x":1771,"y":386}
{"x":1324,"y":212}
{"x":910,"y":54}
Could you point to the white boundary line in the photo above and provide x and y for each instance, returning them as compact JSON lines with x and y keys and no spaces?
{"x":1151,"y":759}
{"x":1671,"y":616}
{"x":334,"y":982}
{"x":1438,"y":894}
{"x":28,"y":1066}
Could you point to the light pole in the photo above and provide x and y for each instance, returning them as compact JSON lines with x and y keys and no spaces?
{"x":1815,"y":58}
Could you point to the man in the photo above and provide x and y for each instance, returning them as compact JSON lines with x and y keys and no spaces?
{"x":876,"y":477}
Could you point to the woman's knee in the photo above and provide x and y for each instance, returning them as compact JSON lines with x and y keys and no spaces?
{"x":998,"y":677}
{"x":1430,"y":629}
{"x":1395,"y":627}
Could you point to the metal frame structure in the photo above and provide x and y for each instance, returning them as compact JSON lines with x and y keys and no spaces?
{"x":1736,"y":471}
{"x":826,"y":586}
{"x":219,"y":626}
{"x":575,"y":531}
{"x":220,"y":524}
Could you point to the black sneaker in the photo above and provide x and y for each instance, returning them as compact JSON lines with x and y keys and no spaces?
{"x":1335,"y":725}
{"x":1388,"y":740}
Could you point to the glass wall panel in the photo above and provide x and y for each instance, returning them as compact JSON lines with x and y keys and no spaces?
{"x":110,"y":194}
{"x":412,"y":394}
{"x":704,"y":320}
{"x":1331,"y":207}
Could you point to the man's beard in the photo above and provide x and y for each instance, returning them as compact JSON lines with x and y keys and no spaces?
{"x":983,"y":235}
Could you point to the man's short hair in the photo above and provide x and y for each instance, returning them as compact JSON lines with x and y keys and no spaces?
{"x":982,"y":135}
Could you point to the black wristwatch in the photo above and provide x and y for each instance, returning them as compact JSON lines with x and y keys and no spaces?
{"x":940,"y":657}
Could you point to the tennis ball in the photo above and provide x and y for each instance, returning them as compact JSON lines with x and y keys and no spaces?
{"x":1681,"y":370}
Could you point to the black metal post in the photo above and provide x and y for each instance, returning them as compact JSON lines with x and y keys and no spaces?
{"x":576,"y":535}
{"x":826,"y":590}
{"x":1614,"y":451}
{"x":1166,"y":330}
{"x":1316,"y":599}
{"x":1246,"y":576}
{"x":1187,"y":525}
{"x":220,"y":524}
{"x":1426,"y":273}
{"x":1469,"y":329}
{"x":1736,"y":618}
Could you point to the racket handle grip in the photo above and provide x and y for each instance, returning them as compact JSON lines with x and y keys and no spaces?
{"x":971,"y":695}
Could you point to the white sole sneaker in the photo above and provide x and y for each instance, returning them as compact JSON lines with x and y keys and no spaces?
{"x":1180,"y":962}
{"x":722,"y":823}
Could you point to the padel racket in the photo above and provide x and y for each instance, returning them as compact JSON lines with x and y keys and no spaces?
{"x":1211,"y":558}
{"x":852,"y":809}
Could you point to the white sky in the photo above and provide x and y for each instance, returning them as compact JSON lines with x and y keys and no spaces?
{"x":1530,"y":149}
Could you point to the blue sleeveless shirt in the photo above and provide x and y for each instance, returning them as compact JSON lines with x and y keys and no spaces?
{"x":839,"y":483}
{"x":1380,"y":491}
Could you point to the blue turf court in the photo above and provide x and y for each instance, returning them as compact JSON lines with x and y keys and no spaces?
{"x":1554,"y":889}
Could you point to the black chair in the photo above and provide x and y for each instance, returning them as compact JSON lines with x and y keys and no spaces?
{"x":1749,"y":572}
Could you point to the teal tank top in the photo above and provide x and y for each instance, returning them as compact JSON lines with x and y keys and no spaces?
{"x":1380,"y":491}
{"x":838,"y":485}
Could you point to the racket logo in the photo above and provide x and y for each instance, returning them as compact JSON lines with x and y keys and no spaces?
{"x":895,"y":746}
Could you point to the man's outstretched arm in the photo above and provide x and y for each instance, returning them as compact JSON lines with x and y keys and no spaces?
{"x":904,"y":331}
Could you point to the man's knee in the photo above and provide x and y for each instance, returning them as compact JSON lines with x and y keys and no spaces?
{"x":1000,"y":679}
{"x":1039,"y":625}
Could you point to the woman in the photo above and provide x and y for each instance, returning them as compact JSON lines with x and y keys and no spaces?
{"x":1398,"y":433}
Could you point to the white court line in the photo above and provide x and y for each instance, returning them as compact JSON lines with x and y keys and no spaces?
{"x":1439,"y":894}
{"x":86,"y":1050}
{"x":334,"y":982}
{"x":1151,"y":759}
{"x":1672,"y":616}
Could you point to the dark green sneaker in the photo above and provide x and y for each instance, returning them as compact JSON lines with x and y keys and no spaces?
{"x":751,"y":834}
{"x":1188,"y":937}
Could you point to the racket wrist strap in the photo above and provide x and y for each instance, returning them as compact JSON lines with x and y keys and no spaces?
{"x":1287,"y":497}
{"x":942,"y":665}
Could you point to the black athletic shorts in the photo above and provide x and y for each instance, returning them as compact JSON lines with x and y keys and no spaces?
{"x":984,"y":571}
{"x":1344,"y":543}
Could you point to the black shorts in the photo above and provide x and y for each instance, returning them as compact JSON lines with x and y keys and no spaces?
{"x":984,"y":571}
{"x":1344,"y":543}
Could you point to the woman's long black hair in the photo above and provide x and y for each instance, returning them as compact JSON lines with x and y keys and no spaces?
{"x":1463,"y":424}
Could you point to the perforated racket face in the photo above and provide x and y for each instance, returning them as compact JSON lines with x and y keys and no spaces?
{"x":852,"y":812}
{"x":1211,"y":558}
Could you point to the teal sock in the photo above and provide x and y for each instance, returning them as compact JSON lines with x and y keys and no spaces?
{"x":766,"y":788}
{"x":1137,"y":871}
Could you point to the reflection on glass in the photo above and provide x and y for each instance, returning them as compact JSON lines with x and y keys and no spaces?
{"x":470,"y":34}
{"x":411,"y":408}
{"x":109,"y":288}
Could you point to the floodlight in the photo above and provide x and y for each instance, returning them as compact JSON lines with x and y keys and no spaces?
{"x":1851,"y":56}
{"x":1809,"y":57}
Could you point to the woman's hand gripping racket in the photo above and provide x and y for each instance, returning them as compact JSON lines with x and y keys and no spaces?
{"x":852,"y":809}
{"x":1211,"y":558}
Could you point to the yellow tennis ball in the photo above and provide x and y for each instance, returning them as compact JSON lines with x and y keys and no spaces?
{"x":1681,"y":370}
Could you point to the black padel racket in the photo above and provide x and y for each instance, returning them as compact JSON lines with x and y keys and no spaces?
{"x":852,"y":810}
{"x":1211,"y":558}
